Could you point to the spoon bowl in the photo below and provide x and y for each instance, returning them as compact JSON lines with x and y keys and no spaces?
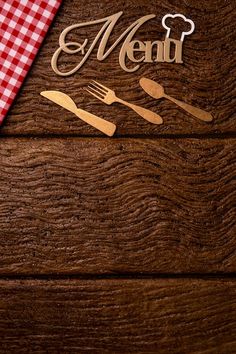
{"x":152,"y":88}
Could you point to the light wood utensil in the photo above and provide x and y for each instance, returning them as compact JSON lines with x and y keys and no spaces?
{"x":108,"y":96}
{"x":156,"y":91}
{"x":66,"y":102}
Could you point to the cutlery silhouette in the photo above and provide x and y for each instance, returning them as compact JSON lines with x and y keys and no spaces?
{"x":156,"y":91}
{"x":66,"y":102}
{"x":108,"y":96}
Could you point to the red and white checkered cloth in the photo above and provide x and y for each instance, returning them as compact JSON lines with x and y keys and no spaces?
{"x":23,"y":26}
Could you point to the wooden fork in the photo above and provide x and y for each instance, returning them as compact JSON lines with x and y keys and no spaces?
{"x":108,"y":96}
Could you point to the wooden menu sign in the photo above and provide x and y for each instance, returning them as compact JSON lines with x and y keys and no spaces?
{"x":129,"y":46}
{"x":168,"y":50}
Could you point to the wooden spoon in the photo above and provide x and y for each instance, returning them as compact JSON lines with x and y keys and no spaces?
{"x":156,"y":91}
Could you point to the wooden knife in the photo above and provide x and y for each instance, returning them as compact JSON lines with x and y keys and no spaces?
{"x":66,"y":102}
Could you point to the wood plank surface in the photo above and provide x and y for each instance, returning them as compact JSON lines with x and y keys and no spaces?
{"x":125,"y":205}
{"x":207,"y":78}
{"x":118,"y":316}
{"x":81,"y":218}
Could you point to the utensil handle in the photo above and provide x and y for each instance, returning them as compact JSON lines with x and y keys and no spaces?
{"x":103,"y":125}
{"x":196,"y":112}
{"x":150,"y":116}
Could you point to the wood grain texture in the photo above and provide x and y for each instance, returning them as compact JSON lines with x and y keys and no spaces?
{"x":125,"y":205}
{"x":118,"y":316}
{"x":206,"y":79}
{"x":78,"y":206}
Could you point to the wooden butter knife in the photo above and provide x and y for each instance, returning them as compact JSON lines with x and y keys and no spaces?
{"x":66,"y":102}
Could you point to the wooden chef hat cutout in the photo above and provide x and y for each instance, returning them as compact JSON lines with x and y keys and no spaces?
{"x":183,"y":33}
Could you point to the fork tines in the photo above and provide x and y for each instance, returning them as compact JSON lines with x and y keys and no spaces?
{"x":97,"y":90}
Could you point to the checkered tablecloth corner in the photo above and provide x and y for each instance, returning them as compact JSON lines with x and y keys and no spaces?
{"x":23,"y":26}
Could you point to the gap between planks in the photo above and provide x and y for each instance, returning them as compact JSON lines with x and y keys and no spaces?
{"x":221,"y":136}
{"x":124,"y":276}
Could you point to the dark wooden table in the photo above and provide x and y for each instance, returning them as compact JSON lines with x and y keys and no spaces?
{"x":123,"y":245}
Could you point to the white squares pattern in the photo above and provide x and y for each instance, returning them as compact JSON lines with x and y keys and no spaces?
{"x":18,"y":42}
